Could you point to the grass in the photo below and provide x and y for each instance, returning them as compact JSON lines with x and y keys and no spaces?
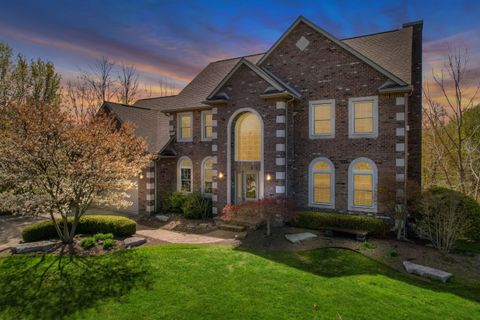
{"x":204,"y":282}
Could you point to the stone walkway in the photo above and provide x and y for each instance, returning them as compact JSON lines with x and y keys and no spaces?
{"x":218,"y":237}
{"x":11,"y":229}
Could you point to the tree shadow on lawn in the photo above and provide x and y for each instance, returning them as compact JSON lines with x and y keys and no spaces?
{"x":340,"y":262}
{"x":55,"y":286}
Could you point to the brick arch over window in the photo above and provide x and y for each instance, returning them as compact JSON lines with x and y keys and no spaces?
{"x":362,"y":185}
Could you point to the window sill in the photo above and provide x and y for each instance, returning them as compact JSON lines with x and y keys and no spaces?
{"x":317,"y":137}
{"x":363,"y":136}
{"x":319,"y":205}
{"x":184,"y":140}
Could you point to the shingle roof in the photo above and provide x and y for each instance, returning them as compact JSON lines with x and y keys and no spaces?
{"x":391,"y":50}
{"x":150,"y":124}
{"x":198,"y":89}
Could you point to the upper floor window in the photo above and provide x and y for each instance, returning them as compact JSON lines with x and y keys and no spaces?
{"x":185,"y":126}
{"x":322,"y":119}
{"x":207,"y":127}
{"x":248,"y":138}
{"x":363,"y":117}
{"x":207,"y":180}
{"x":362,"y":175}
{"x":184,"y":175}
{"x":322,"y":183}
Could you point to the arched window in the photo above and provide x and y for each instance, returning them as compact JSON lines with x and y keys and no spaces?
{"x":184,"y":175}
{"x":362,"y":185}
{"x":322,"y":183}
{"x":248,"y":138}
{"x":207,"y":167}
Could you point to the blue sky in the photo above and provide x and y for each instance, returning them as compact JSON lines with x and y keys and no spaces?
{"x":174,"y":40}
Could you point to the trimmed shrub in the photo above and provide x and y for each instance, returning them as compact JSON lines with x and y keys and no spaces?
{"x":323,"y":220}
{"x":467,"y":205}
{"x":174,"y":202}
{"x":108,"y":244}
{"x":196,"y":207}
{"x":116,"y":225}
{"x":88,"y":243}
{"x":103,"y":236}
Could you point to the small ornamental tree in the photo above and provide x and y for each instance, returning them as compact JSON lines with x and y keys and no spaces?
{"x":263,"y":210}
{"x":55,"y":162}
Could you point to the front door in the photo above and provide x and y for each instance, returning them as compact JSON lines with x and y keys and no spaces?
{"x":246,"y":186}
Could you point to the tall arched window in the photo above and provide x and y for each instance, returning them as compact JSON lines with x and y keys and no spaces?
{"x":322,"y":183}
{"x":362,"y":185}
{"x":184,"y":175}
{"x":248,"y":138}
{"x":207,"y":167}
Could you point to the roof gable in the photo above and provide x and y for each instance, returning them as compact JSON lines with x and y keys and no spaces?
{"x":338,"y":42}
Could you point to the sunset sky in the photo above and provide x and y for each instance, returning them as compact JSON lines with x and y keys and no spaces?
{"x":174,"y":40}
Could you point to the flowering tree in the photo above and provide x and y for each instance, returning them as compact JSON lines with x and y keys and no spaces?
{"x":262,"y":210}
{"x":55,"y":162}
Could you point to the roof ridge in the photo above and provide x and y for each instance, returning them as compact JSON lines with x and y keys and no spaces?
{"x":150,"y":98}
{"x":239,"y":57}
{"x":126,"y":105}
{"x":371,"y":34}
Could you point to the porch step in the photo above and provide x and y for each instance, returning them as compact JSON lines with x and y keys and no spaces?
{"x":230,"y":227}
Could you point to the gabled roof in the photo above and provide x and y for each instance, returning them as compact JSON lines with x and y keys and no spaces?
{"x":150,"y":124}
{"x":343,"y":44}
{"x":193,"y":95}
{"x":275,"y":82}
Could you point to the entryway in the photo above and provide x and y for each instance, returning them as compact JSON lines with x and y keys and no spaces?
{"x":246,"y":186}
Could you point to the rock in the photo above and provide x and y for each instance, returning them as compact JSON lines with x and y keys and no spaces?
{"x":230,"y":227}
{"x":205,"y":225}
{"x":298,"y":237}
{"x":428,"y":272}
{"x":162,"y":217}
{"x":39,"y":246}
{"x":134,"y":242}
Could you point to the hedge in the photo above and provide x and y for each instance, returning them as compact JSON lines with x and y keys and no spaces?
{"x":323,"y":220}
{"x":118,"y":226}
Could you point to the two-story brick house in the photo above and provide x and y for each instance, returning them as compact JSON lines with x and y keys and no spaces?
{"x":320,"y":120}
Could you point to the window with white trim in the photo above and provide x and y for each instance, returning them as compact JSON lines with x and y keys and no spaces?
{"x":248,"y":137}
{"x":207,"y":176}
{"x":322,"y":183}
{"x":184,"y":175}
{"x":362,"y":186}
{"x":207,"y":128}
{"x":185,"y":126}
{"x":363,"y":117}
{"x":322,"y":119}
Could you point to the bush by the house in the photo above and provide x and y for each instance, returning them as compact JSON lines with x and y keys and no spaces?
{"x":174,"y":202}
{"x":446,"y":216}
{"x":88,"y":243}
{"x":108,"y":244}
{"x":322,"y":220}
{"x":196,"y":207}
{"x":118,"y":226}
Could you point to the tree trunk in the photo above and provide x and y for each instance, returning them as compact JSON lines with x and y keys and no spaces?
{"x":269,"y":231}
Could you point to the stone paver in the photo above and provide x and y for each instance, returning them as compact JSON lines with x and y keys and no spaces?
{"x":425,"y":271}
{"x":299,"y":237}
{"x":134,"y":242}
{"x":184,"y":238}
{"x":38,"y":246}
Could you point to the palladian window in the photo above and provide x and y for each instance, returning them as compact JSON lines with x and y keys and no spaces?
{"x":362,"y":185}
{"x":248,"y":138}
{"x":322,"y":182}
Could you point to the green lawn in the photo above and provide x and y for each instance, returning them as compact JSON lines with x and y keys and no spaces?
{"x":202,"y":282}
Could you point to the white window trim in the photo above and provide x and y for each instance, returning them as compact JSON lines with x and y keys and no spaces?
{"x":311,"y":121}
{"x":374,"y":174}
{"x":179,"y":128}
{"x":203,"y":176}
{"x":311,"y":203}
{"x":203,"y":114}
{"x":351,"y":122}
{"x":179,"y":175}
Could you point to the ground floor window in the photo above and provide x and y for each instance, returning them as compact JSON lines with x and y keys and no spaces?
{"x":322,"y":183}
{"x":362,"y":185}
{"x":207,"y":180}
{"x":184,"y":175}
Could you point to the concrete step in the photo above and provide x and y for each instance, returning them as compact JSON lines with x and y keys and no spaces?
{"x":230,"y":227}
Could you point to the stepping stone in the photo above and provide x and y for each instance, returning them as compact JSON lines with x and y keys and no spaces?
{"x":299,"y":237}
{"x":426,"y":271}
{"x":134,"y":242}
{"x":39,"y":246}
{"x":162,"y":217}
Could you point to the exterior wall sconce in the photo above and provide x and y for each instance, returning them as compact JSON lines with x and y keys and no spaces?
{"x":220,"y":175}
{"x":141,"y":176}
{"x":268,"y":177}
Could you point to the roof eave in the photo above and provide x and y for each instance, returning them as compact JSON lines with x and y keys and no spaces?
{"x":283,"y":94}
{"x":406,"y":89}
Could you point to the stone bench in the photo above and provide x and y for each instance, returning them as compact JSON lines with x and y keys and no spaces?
{"x":427,"y":272}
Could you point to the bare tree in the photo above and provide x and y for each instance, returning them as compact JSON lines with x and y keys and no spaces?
{"x":128,"y":84}
{"x":80,"y":99}
{"x":445,"y":121}
{"x":99,"y":78}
